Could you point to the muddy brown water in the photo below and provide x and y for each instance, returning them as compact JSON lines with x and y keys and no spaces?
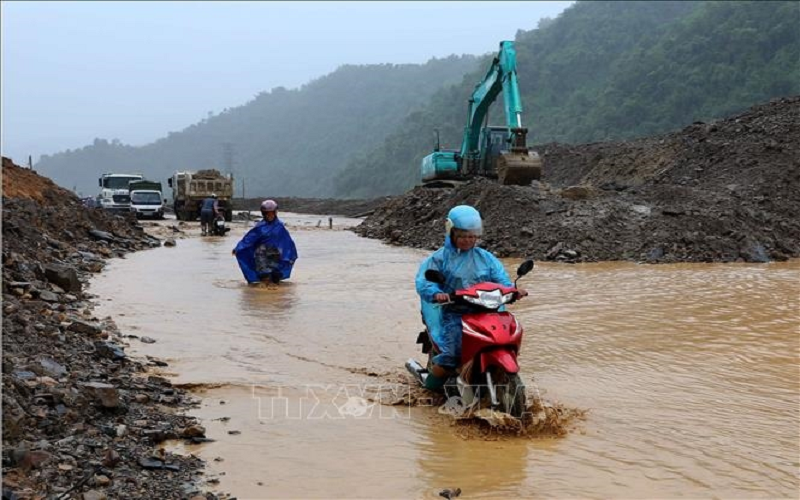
{"x":690,"y":374}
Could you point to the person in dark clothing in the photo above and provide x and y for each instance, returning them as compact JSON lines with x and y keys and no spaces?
{"x":208,"y":212}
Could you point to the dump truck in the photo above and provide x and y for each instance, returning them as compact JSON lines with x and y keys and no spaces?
{"x":147,"y":199}
{"x":498,"y":152}
{"x":190,"y":188}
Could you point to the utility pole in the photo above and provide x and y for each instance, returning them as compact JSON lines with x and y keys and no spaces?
{"x":227,"y":156}
{"x":228,"y":160}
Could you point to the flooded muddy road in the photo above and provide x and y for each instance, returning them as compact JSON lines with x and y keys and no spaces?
{"x":689,"y":373}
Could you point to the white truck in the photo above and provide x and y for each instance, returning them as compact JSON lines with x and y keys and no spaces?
{"x":147,"y":199}
{"x":115,"y":192}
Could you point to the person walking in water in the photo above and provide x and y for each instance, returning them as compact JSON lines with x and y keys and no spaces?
{"x":208,"y":212}
{"x":267,"y":253}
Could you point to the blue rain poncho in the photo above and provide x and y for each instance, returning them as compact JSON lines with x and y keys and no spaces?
{"x":275,"y":237}
{"x":461,"y":269}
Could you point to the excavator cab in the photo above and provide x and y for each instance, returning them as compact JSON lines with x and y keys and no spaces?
{"x":494,"y":142}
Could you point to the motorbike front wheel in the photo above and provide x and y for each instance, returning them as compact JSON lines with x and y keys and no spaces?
{"x":511,"y":394}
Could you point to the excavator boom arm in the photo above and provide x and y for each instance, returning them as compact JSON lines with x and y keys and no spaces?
{"x":502,"y":76}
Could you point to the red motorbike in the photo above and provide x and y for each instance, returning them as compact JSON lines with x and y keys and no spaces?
{"x":488,"y":375}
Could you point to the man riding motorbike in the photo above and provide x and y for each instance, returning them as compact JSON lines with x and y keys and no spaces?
{"x":462,"y":264}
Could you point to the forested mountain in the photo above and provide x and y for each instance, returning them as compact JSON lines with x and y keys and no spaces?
{"x":599,"y":71}
{"x":283,"y":142}
{"x":612,"y":70}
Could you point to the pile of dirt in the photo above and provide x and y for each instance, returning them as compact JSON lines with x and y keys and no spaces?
{"x":25,"y":183}
{"x":210,"y":173}
{"x":80,"y":418}
{"x":725,"y":191}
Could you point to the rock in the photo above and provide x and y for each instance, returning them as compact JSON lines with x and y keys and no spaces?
{"x":46,"y":366}
{"x":554,"y":251}
{"x":102,"y":235}
{"x":570,"y":254}
{"x":48,"y":296}
{"x":170,"y":242}
{"x":673,"y":212}
{"x":34,"y":459}
{"x":89,"y":256}
{"x":148,"y":340}
{"x":63,"y":276}
{"x":79,"y":326}
{"x":193,"y":431}
{"x":754,"y":252}
{"x":155,"y":464}
{"x":95,"y":495}
{"x":577,"y":192}
{"x":450,"y":493}
{"x":106,"y":394}
{"x":111,"y":458}
{"x":158,"y":435}
{"x":24,"y":375}
{"x":19,"y":284}
{"x":109,"y":350}
{"x":655,"y":254}
{"x":101,"y":480}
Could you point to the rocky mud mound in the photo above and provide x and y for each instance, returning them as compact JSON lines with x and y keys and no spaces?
{"x":725,"y":191}
{"x":80,"y":418}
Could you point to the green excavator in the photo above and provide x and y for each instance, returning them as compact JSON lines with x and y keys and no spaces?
{"x":498,"y":152}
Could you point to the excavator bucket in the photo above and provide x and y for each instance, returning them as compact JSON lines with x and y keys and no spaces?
{"x":518,"y":168}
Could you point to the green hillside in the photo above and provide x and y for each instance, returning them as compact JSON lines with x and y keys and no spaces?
{"x":283,"y":142}
{"x":599,"y":71}
{"x":612,"y":70}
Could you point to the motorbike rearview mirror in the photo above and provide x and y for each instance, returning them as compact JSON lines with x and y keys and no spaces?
{"x":525,"y":268}
{"x":434,"y":276}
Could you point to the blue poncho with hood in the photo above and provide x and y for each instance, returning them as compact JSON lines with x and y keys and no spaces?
{"x":461,"y":268}
{"x":272,"y":234}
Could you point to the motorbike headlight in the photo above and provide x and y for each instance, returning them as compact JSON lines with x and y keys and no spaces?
{"x":490,"y":300}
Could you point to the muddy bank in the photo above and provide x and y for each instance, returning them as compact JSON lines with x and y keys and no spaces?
{"x":725,"y":191}
{"x":80,"y":418}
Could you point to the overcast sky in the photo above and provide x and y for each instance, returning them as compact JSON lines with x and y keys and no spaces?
{"x":134,"y":71}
